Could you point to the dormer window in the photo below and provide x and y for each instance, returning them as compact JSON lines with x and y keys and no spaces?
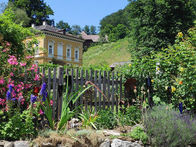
{"x":68,"y":52}
{"x":76,"y":54}
{"x":50,"y":49}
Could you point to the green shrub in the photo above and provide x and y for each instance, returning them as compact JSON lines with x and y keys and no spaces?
{"x":106,"y":120}
{"x":167,"y":127}
{"x":139,"y":134}
{"x":132,"y":116}
{"x":18,"y":126}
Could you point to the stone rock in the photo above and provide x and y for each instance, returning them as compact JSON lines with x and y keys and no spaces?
{"x":106,"y":143}
{"x":21,"y":144}
{"x":47,"y":145}
{"x":74,"y":123}
{"x":120,"y":143}
{"x":111,"y":132}
{"x":9,"y":144}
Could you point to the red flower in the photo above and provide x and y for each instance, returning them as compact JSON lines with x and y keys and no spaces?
{"x":36,"y":91}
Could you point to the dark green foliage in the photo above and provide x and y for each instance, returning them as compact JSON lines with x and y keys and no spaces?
{"x":106,"y":120}
{"x":167,"y":127}
{"x":87,"y":29}
{"x":132,"y":116}
{"x":76,"y":29}
{"x":20,"y":15}
{"x":93,"y":30}
{"x":37,"y":10}
{"x":118,"y":32}
{"x":113,"y":20}
{"x":63,"y":25}
{"x":155,"y":23}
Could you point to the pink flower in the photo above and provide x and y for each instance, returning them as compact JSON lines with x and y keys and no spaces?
{"x":8,"y":44}
{"x":41,"y":112}
{"x":34,"y":67}
{"x":2,"y":81}
{"x":51,"y":102}
{"x":23,"y":64}
{"x":36,"y":77}
{"x":12,"y":60}
{"x":2,"y":101}
{"x":11,"y":74}
{"x":29,"y":57}
{"x":27,"y":86}
{"x":5,"y":50}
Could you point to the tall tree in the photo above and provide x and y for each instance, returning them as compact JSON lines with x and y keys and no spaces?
{"x":93,"y":30}
{"x":86,"y":29}
{"x":76,"y":29}
{"x":64,"y":25}
{"x":37,"y":10}
{"x":155,"y":23}
{"x":20,"y":15}
{"x":113,"y":19}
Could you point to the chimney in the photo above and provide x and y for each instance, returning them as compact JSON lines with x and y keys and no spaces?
{"x":33,"y":25}
{"x":64,"y":31}
{"x":44,"y":23}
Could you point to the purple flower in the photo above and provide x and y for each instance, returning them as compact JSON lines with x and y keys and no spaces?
{"x":33,"y":98}
{"x":13,"y":99}
{"x":10,"y":88}
{"x":8,"y":94}
{"x":43,"y":92}
{"x":180,"y":107}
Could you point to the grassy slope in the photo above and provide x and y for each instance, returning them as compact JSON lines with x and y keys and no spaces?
{"x":107,"y":53}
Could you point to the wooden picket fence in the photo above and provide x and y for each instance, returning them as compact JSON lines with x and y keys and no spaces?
{"x":107,"y":91}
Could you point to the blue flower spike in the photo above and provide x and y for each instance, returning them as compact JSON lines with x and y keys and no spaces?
{"x":180,"y":107}
{"x":43,"y":92}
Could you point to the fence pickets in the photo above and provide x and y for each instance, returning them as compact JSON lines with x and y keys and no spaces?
{"x":106,"y":92}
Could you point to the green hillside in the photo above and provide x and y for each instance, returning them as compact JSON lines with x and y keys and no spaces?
{"x":107,"y":53}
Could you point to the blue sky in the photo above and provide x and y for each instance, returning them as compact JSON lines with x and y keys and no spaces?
{"x":83,"y":12}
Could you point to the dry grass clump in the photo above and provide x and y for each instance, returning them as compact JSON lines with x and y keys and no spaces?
{"x":71,"y":138}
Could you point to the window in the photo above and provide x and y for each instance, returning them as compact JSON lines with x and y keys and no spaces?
{"x":76,"y":54}
{"x":37,"y":49}
{"x":68,"y":52}
{"x":50,"y":48}
{"x":60,"y":51}
{"x":36,"y":62}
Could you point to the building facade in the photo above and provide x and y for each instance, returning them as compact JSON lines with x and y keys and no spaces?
{"x":56,"y":46}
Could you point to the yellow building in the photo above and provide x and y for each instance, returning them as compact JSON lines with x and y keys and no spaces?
{"x":57,"y":46}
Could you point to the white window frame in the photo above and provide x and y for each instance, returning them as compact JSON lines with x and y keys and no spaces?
{"x":68,"y":58}
{"x":77,"y":50}
{"x":51,"y":43}
{"x":59,"y":57}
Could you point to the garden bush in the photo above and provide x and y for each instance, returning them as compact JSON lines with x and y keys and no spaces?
{"x":139,"y":134}
{"x":168,"y":127}
{"x":170,"y":71}
{"x":106,"y":120}
{"x":131,"y":116}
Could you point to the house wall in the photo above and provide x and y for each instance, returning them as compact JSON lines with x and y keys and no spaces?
{"x":43,"y":50}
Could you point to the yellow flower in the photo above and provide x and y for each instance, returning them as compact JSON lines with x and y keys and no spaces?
{"x":181,"y":69}
{"x":180,"y":34}
{"x":152,"y":81}
{"x":130,"y":65}
{"x":173,"y":89}
{"x":158,"y":68}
